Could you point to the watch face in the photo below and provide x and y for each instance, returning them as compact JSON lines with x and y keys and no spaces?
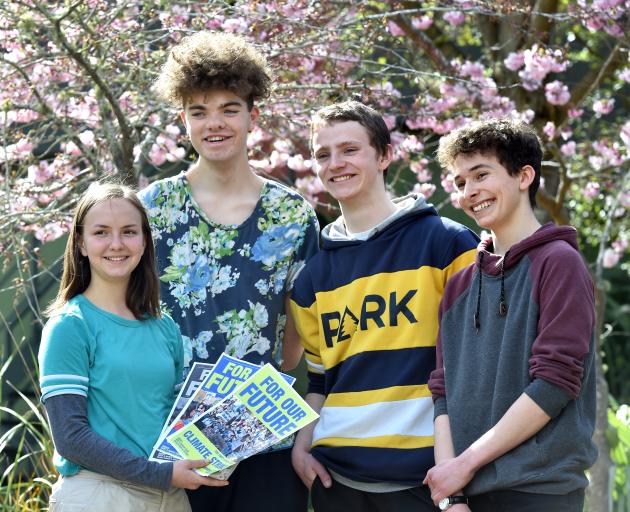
{"x":444,"y":503}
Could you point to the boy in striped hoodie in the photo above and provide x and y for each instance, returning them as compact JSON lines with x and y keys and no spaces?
{"x":366,"y":310}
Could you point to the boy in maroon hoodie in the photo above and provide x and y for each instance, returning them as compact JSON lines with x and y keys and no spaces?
{"x":514,"y":388}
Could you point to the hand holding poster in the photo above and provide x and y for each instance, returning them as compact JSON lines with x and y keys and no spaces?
{"x":196,"y":376}
{"x":227,"y":374}
{"x":261,"y":411}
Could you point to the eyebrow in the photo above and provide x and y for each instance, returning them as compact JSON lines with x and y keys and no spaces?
{"x":473,"y":168}
{"x":231,"y":103}
{"x":123,"y":227}
{"x":341,"y":144}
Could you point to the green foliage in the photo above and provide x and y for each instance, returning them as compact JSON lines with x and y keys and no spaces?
{"x":26,"y":448}
{"x":618,"y":435}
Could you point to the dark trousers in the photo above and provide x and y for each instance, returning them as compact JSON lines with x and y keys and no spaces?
{"x":527,"y":502}
{"x":262,"y":483}
{"x":341,"y":498}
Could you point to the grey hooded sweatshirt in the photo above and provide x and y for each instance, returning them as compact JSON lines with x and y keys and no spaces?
{"x":522,"y":323}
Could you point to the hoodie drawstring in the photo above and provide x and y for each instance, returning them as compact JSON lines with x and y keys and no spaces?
{"x":503,"y":306}
{"x":476,"y":319}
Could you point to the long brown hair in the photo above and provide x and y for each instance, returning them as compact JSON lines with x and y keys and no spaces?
{"x":143,"y":291}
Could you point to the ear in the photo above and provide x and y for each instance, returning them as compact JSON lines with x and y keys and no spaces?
{"x":82,"y":247}
{"x":526,"y":177}
{"x":386,"y":158}
{"x":253,"y":116}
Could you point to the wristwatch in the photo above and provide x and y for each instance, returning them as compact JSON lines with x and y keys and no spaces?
{"x":446,"y":503}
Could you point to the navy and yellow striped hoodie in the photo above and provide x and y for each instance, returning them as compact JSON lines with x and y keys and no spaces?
{"x":366,"y":311}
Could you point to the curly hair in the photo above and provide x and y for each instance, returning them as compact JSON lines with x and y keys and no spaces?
{"x":514,"y":143}
{"x":213,"y":60}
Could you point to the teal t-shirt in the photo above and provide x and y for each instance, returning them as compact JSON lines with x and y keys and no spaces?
{"x":127,"y":369}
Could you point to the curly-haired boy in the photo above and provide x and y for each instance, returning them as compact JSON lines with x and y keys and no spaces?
{"x":514,"y":387}
{"x":229,"y":243}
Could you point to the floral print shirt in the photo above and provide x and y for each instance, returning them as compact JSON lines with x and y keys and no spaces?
{"x":225,"y":285}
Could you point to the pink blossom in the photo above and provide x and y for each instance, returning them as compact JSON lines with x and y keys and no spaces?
{"x":157,"y":155}
{"x":256,"y":136}
{"x":625,"y":133}
{"x":528,"y":80}
{"x":297,"y":163}
{"x":594,"y":23}
{"x":604,"y":106}
{"x":87,"y":138}
{"x":514,"y":61}
{"x":394,"y":29}
{"x":390,"y":121}
{"x":568,"y":149}
{"x":557,"y":93}
{"x":422,"y":23}
{"x":283,"y":146}
{"x":412,"y":144}
{"x":472,"y":69}
{"x":448,"y":185}
{"x":574,"y":113}
{"x":455,"y":18}
{"x":620,"y":245}
{"x":426,"y":189}
{"x":173,"y":130}
{"x":235,"y":25}
{"x":50,"y":232}
{"x":175,"y":154}
{"x":278,"y":159}
{"x":566,"y":133}
{"x":23,"y":146}
{"x":71,"y":148}
{"x":614,"y":30}
{"x":40,"y":173}
{"x":263,"y":164}
{"x":611,"y":258}
{"x":591,"y":190}
{"x":597,"y":162}
{"x":549,"y":130}
{"x":21,"y":204}
{"x":419,"y":167}
{"x":310,"y":187}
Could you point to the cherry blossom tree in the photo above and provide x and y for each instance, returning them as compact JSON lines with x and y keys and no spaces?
{"x":76,"y":105}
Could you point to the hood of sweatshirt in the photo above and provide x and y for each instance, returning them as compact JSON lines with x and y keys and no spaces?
{"x":335,"y":234}
{"x":494,"y":264}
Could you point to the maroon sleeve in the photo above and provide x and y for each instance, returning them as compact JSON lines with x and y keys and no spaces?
{"x":564,"y":292}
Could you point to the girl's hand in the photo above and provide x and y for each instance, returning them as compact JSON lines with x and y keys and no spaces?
{"x":185,"y":477}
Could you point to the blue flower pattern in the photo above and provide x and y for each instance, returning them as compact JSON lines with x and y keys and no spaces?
{"x":225,"y":285}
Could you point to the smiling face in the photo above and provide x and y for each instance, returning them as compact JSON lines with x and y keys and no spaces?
{"x":487,"y":192}
{"x":112,"y":240}
{"x":217,"y":122}
{"x":349,"y":167}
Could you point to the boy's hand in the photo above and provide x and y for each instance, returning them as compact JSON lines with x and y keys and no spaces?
{"x":185,"y":477}
{"x":308,"y":467}
{"x":447,"y":478}
{"x":460,"y":507}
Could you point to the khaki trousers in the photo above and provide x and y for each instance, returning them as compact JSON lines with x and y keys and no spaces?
{"x":91,"y":492}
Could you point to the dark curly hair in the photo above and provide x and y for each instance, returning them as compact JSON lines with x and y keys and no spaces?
{"x":514,"y":143}
{"x":213,"y":60}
